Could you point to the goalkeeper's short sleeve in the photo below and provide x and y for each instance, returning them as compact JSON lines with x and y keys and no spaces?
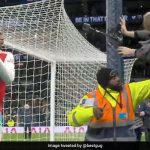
{"x":7,"y":68}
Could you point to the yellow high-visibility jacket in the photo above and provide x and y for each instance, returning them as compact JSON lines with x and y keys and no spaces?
{"x":81,"y":115}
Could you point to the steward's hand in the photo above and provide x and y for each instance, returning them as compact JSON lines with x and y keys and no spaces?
{"x":142,"y":113}
{"x":98,"y":113}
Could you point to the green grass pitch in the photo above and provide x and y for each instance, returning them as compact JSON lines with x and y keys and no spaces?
{"x":46,"y":137}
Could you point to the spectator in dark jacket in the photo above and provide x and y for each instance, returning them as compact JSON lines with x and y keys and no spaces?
{"x":145,"y":114}
{"x":141,"y":35}
{"x":138,"y":130}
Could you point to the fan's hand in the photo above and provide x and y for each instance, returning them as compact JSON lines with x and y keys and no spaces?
{"x":123,"y":26}
{"x":125,"y":51}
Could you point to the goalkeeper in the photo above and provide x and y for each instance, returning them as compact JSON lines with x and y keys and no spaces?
{"x":109,"y":111}
{"x":141,"y":35}
{"x":7,"y":74}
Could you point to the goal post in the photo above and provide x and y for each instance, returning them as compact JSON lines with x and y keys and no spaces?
{"x":52,"y":101}
{"x":55,"y":67}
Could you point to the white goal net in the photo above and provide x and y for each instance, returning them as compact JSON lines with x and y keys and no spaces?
{"x":55,"y":66}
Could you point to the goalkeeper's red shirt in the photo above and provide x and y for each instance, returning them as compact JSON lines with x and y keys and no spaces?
{"x":8,"y":65}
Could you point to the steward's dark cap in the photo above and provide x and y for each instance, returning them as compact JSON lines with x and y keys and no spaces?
{"x":104,"y":75}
